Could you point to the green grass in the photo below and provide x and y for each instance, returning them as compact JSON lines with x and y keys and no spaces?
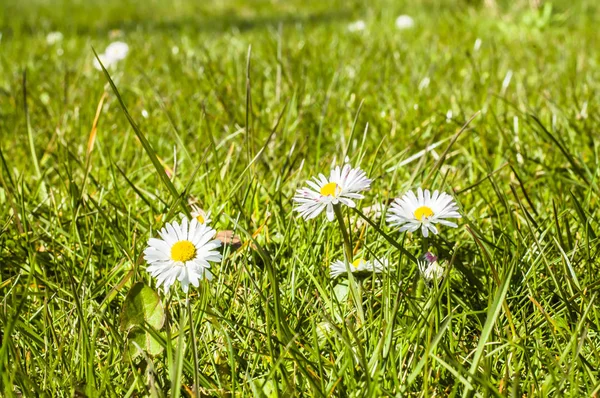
{"x":516,"y":315}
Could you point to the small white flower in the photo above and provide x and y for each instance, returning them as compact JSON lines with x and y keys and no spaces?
{"x":342,"y":186}
{"x":374,"y":212}
{"x":183,"y":253}
{"x":200,"y":215}
{"x":357,"y":26}
{"x":404,"y":22}
{"x":423,"y":210}
{"x":145,"y":114}
{"x":429,"y":267}
{"x":358,"y":266}
{"x":116,"y":51}
{"x":107,"y":62}
{"x":53,"y":38}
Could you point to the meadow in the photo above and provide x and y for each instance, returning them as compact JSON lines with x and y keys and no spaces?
{"x":231,"y":106}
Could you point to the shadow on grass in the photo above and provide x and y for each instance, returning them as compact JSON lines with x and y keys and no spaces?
{"x":190,"y":22}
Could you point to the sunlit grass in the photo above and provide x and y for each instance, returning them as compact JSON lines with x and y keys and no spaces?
{"x":232,"y":107}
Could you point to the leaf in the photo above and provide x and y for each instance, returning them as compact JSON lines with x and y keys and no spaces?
{"x":142,"y":309}
{"x":142,"y":305}
{"x":139,"y":338}
{"x":430,"y":347}
{"x":341,"y":291}
{"x":492,"y":316}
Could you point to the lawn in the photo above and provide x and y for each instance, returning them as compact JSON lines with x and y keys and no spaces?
{"x":231,"y":106}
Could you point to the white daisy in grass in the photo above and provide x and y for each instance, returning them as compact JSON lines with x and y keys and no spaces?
{"x":53,"y":38}
{"x":107,"y":62}
{"x":404,"y":22}
{"x":359,"y":266}
{"x":116,"y":51}
{"x":183,"y":254}
{"x":423,"y":210}
{"x":342,"y":186}
{"x":429,"y":267}
{"x":200,"y":215}
{"x":357,"y":26}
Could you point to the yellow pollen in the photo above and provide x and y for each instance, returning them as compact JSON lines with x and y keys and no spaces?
{"x":183,"y":251}
{"x":357,"y":263}
{"x":422,"y":212}
{"x":200,"y":218}
{"x":330,"y":189}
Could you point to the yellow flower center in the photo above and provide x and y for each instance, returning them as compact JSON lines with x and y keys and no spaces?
{"x":200,"y":218}
{"x":358,"y":262}
{"x":422,"y":212}
{"x":183,"y":251}
{"x":330,"y":189}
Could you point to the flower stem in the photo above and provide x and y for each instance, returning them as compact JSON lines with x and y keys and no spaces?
{"x":193,"y":337}
{"x":355,"y":288}
{"x":424,"y":245}
{"x":421,"y":283}
{"x":347,"y":244}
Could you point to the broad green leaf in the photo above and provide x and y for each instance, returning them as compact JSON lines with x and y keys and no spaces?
{"x":142,"y":305}
{"x":341,"y":291}
{"x":138,"y":338}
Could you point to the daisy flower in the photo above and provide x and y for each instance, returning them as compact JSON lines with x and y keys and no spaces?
{"x":429,"y":267}
{"x":53,"y":38}
{"x":182,"y":254}
{"x":200,"y":215}
{"x":116,"y":51}
{"x":107,"y":62}
{"x":423,"y":210}
{"x":358,"y":266}
{"x":342,"y":186}
{"x":357,"y":26}
{"x":404,"y":22}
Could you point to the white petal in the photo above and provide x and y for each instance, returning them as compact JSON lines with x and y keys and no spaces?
{"x":330,"y":213}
